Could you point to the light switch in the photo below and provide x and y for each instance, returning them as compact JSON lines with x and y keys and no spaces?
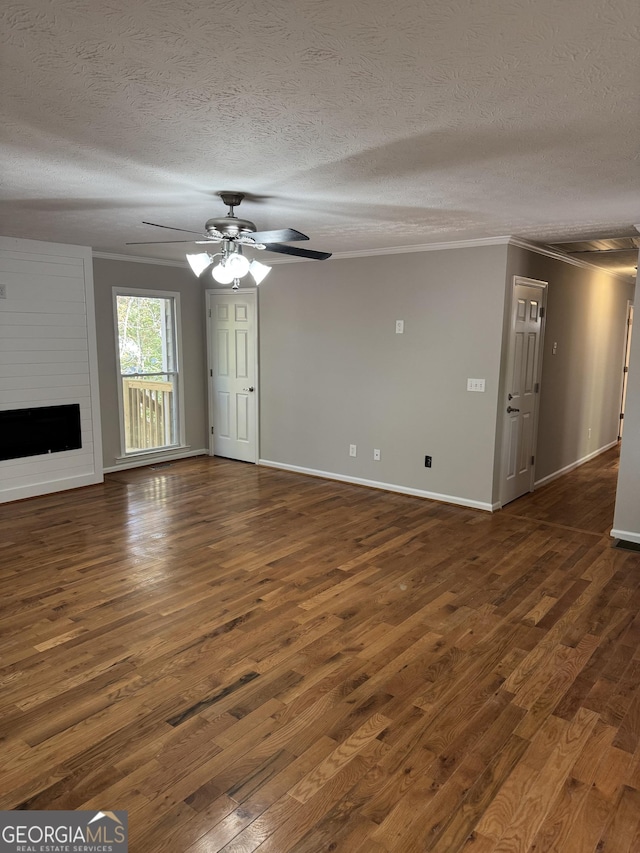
{"x":475,"y":384}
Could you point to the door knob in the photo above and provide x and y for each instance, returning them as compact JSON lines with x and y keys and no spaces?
{"x":248,"y":389}
{"x":511,"y":409}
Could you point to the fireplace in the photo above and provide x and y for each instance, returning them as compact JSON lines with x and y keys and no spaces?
{"x":36,"y":431}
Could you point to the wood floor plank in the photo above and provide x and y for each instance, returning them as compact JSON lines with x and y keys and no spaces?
{"x":248,"y":659}
{"x":547,"y":785}
{"x":339,"y":758}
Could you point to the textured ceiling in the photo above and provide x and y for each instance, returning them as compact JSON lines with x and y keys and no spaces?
{"x":364,"y":124}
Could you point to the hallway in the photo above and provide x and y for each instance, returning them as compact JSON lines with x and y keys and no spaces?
{"x":583,"y":499}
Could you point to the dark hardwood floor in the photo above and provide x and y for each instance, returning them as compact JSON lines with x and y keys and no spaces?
{"x":253,"y":660}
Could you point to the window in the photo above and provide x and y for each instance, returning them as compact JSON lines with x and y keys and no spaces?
{"x":148,"y":363}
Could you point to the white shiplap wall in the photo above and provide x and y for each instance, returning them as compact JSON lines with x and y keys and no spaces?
{"x":48,"y":357}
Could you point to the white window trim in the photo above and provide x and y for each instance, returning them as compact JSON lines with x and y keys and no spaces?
{"x":153,"y":294}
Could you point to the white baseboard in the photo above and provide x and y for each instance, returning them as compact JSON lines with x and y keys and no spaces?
{"x":154,"y":459}
{"x":49,"y":487}
{"x":373,"y":484}
{"x":626,"y":536}
{"x":574,"y":465}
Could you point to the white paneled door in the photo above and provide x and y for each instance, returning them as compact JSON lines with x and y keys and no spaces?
{"x":233,"y":390}
{"x":522,"y":388}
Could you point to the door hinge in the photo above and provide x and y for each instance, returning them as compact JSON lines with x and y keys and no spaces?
{"x":541,"y":311}
{"x":211,"y":430}
{"x":209,"y":311}
{"x":625,"y":369}
{"x":533,"y":459}
{"x":211,"y":371}
{"x":536,"y":388}
{"x":622,"y":416}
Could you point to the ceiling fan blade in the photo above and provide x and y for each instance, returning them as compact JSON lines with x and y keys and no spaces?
{"x":171,"y":228}
{"x":159,"y":242}
{"x":284,"y":235}
{"x":300,"y":253}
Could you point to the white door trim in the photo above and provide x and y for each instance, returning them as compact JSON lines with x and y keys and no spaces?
{"x":251,"y":294}
{"x":625,"y":365}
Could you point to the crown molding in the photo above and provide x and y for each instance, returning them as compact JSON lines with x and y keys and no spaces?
{"x":426,"y":247}
{"x":518,"y":242}
{"x":405,"y":250}
{"x":357,"y":253}
{"x":135,"y":259}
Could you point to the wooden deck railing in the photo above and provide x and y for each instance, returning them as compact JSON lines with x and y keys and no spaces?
{"x":148,"y":413}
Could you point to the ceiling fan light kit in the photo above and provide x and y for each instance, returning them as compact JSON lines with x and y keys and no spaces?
{"x":231,"y":268}
{"x":259,"y":271}
{"x":234,"y":233}
{"x":223,"y":274}
{"x":200,"y":262}
{"x":237,"y":263}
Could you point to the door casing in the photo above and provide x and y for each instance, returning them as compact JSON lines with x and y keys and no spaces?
{"x":625,"y":368}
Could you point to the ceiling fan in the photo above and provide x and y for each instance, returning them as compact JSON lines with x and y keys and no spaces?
{"x":230,"y":264}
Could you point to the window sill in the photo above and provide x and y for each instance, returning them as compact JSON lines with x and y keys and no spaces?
{"x":152,"y":454}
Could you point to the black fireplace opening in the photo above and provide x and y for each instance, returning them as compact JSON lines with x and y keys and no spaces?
{"x":36,"y":431}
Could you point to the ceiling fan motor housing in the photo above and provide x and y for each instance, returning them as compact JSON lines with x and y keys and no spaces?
{"x":230,"y":226}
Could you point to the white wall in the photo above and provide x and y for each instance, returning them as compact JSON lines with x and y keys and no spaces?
{"x":333,"y":372}
{"x":48,"y":358}
{"x":626,"y":522}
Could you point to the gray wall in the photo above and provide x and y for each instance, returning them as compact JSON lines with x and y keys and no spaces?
{"x":626,"y":523}
{"x":581,"y":385}
{"x":334,"y":373}
{"x":111,"y":273}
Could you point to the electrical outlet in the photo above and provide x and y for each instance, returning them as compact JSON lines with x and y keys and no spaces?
{"x":399,"y":327}
{"x":589,"y":433}
{"x":427,"y":462}
{"x":353,"y":450}
{"x":376,"y":455}
{"x":3,"y":291}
